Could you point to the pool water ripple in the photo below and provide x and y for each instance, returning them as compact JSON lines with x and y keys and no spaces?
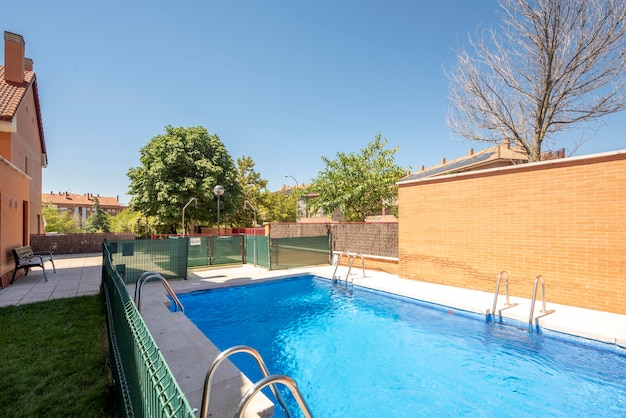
{"x":360,"y":353}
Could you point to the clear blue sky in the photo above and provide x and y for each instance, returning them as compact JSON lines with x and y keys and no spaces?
{"x":284,"y":82}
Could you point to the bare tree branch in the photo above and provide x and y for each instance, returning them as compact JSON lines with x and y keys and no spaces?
{"x":553,"y":66}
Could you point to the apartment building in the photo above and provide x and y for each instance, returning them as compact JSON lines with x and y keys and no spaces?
{"x":81,"y":205}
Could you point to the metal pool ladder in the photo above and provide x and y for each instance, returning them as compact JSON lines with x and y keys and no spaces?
{"x":149,"y":276}
{"x":543,"y":300}
{"x":495,"y":296}
{"x":268,"y":380}
{"x":350,"y":263}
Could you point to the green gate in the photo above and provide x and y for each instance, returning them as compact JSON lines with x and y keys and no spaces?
{"x":299,"y":251}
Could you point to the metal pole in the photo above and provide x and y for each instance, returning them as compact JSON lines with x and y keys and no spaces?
{"x":218,"y":215}
{"x":185,"y":207}
{"x":219,"y":191}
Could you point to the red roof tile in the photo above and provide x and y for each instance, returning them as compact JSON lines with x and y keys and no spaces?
{"x":84,"y":200}
{"x":11,"y":94}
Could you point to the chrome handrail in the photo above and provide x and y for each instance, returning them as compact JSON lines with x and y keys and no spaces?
{"x":351,"y":259}
{"x":148,"y":276}
{"x":352,"y":262}
{"x":543,"y":299}
{"x":206,"y":395}
{"x":497,"y":293}
{"x":270,"y":380}
{"x":338,"y":261}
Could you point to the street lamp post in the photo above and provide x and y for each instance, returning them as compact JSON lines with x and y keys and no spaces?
{"x":185,"y":207}
{"x":296,"y":181}
{"x":219,"y":191}
{"x":254,"y":209}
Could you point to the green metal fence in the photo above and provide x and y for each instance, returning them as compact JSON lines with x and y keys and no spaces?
{"x":226,"y":249}
{"x":258,"y":250}
{"x":198,"y":252}
{"x":132,"y":258}
{"x":144,"y":384}
{"x":172,"y":256}
{"x":299,"y":252}
{"x":215,"y":250}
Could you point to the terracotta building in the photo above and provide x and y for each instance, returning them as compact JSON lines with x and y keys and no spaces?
{"x":81,"y":206}
{"x":22,"y":151}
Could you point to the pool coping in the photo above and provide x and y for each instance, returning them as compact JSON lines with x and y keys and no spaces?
{"x":189,"y":353}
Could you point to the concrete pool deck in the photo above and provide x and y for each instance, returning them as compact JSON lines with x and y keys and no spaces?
{"x":185,"y":361}
{"x":189,"y":353}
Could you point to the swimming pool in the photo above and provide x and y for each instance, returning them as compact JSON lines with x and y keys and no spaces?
{"x":361,"y":353}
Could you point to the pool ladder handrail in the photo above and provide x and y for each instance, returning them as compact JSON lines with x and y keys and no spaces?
{"x":270,"y":380}
{"x":267,"y":380}
{"x":351,"y":259}
{"x":149,"y":276}
{"x":497,"y":293}
{"x":543,"y":310}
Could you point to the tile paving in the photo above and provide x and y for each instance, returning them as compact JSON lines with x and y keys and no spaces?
{"x":77,"y":275}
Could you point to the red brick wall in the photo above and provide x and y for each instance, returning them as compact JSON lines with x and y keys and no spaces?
{"x":26,"y":155}
{"x":14,"y":190}
{"x":372,"y":263}
{"x":563,"y":219}
{"x":5,"y":145}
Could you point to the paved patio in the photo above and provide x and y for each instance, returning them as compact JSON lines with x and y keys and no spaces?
{"x":77,"y":275}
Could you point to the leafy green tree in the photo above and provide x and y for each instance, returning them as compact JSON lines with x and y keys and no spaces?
{"x":359,"y":185}
{"x":252,"y":184}
{"x":177,"y":166}
{"x":125,"y":221}
{"x":59,"y":221}
{"x":278,"y":206}
{"x":99,"y":220}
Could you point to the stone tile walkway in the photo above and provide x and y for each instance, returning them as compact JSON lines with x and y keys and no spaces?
{"x":77,"y":275}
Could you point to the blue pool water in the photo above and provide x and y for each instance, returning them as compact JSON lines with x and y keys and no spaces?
{"x":360,"y":353}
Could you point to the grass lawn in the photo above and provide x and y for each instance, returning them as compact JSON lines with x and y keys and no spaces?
{"x":54,"y":359}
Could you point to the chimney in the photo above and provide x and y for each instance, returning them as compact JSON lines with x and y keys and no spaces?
{"x":443,"y":161}
{"x":471,"y":152}
{"x":28,"y":64}
{"x":14,"y":46}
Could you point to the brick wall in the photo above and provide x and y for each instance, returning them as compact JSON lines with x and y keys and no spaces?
{"x":14,"y":191}
{"x":564,"y":219}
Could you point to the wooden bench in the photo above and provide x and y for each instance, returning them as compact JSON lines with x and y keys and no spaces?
{"x":25,"y":258}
